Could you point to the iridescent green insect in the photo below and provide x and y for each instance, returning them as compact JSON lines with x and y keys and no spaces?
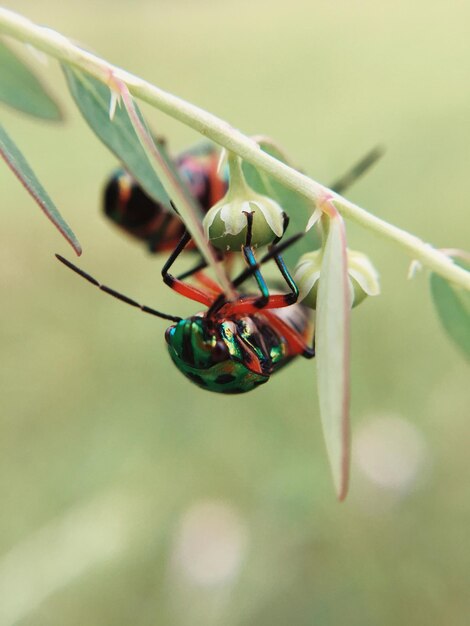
{"x":233,"y":346}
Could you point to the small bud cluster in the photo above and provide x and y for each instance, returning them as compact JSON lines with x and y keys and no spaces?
{"x":226,"y":222}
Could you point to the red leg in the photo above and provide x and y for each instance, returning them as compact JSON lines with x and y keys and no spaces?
{"x":188,"y":291}
{"x":248,"y":305}
{"x":208,"y":283}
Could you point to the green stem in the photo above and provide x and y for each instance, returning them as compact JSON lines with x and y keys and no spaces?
{"x":236,"y":178}
{"x":222,"y":133}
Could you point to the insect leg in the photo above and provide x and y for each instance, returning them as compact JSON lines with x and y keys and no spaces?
{"x":253,"y":304}
{"x":249,"y":255}
{"x":197,"y":268}
{"x":276,"y":255}
{"x":250,"y":304}
{"x":116,"y":294}
{"x":193,"y":293}
{"x":277,"y":249}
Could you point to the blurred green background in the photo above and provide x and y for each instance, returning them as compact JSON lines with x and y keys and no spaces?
{"x":129,"y":496}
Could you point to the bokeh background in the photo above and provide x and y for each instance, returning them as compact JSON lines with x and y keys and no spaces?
{"x":129,"y":496}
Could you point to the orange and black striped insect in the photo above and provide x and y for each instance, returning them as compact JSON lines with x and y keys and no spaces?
{"x":127,"y":205}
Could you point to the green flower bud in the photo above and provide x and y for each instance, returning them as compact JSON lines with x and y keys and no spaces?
{"x":363,"y":277}
{"x":226,"y":222}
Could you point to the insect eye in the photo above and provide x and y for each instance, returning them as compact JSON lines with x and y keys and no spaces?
{"x":168,"y":333}
{"x":220,"y":352}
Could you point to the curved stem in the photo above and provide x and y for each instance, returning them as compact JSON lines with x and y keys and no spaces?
{"x":221,"y":132}
{"x":236,"y":177}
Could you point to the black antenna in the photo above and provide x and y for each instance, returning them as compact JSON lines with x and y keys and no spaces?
{"x":116,"y":294}
{"x":341,"y":184}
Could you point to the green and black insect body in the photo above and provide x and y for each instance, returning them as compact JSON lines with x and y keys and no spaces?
{"x":236,"y":344}
{"x":236,"y":353}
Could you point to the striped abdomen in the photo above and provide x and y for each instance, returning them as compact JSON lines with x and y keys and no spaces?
{"x":130,"y":208}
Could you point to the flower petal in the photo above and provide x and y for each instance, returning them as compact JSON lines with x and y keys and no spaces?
{"x":272,"y":213}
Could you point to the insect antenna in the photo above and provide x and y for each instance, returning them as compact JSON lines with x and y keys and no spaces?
{"x":116,"y":294}
{"x":358,"y":169}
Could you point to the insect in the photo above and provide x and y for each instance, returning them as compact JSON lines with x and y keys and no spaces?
{"x":233,"y":346}
{"x":127,"y":205}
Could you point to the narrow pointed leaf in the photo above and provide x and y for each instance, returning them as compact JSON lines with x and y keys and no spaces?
{"x":93,"y":99}
{"x":128,"y":137}
{"x":181,"y":198}
{"x":22,"y":90}
{"x":332,"y":353}
{"x":453,"y":307}
{"x":19,"y":166}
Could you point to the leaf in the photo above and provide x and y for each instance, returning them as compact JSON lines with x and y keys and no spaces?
{"x":128,"y":137}
{"x":92,"y":98}
{"x":165,"y":169}
{"x":453,"y":307}
{"x":17,"y":163}
{"x":22,"y":90}
{"x":332,"y":353}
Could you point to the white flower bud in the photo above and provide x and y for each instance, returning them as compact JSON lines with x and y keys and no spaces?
{"x":363,"y":277}
{"x":226,"y":222}
{"x":306,"y":276}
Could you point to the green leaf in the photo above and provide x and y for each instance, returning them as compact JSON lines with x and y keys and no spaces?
{"x":17,"y":163}
{"x":182,"y":200}
{"x":128,"y":137}
{"x":453,"y":307}
{"x":332,"y":352}
{"x":92,"y":98}
{"x":22,"y":90}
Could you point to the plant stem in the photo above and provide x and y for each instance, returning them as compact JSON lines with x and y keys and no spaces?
{"x":236,"y":176}
{"x":221,"y":132}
